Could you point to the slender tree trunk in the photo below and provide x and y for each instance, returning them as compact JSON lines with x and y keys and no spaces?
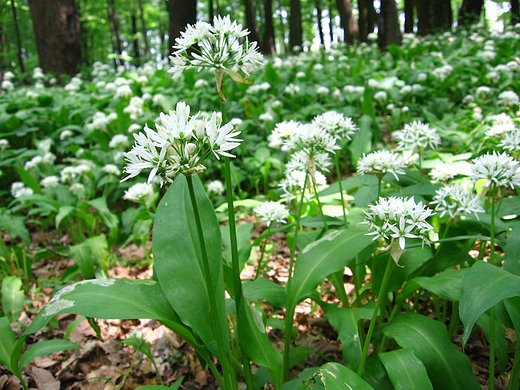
{"x":282,"y":28}
{"x":320,"y":24}
{"x":367,"y":18}
{"x":470,"y":12}
{"x":182,"y":12}
{"x":135,"y":43}
{"x":251,"y":21}
{"x":18,"y":38}
{"x":58,"y":39}
{"x":331,"y":21}
{"x":268,"y":46}
{"x":144,"y":30}
{"x":295,"y":24}
{"x":113,"y":21}
{"x":348,"y":22}
{"x":389,"y":31}
{"x":434,"y":16}
{"x":515,"y":12}
{"x":408,"y":16}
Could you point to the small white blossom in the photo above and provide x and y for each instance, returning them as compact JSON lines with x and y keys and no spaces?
{"x":417,"y":136}
{"x":119,"y":141}
{"x":18,"y":189}
{"x":139,"y":192}
{"x":381,"y":162}
{"x":272,"y":212}
{"x":508,"y":99}
{"x":77,"y":188}
{"x":216,"y":187}
{"x":456,"y":199}
{"x":336,"y":124}
{"x":511,"y":140}
{"x":498,"y":168}
{"x":112,"y":169}
{"x":50,"y":181}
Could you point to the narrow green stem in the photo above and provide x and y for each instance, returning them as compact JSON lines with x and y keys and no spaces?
{"x":514,"y":381}
{"x":338,"y":173}
{"x":380,"y":180}
{"x":260,"y":265}
{"x":289,"y":311}
{"x":221,"y":339}
{"x":381,"y":295}
{"x":315,"y":188}
{"x":492,"y":310}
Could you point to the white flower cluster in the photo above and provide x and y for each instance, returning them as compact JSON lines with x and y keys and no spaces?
{"x":399,"y":219}
{"x":456,"y":199}
{"x":100,"y":120}
{"x":417,"y":136}
{"x":216,"y":187}
{"x":499,"y":125}
{"x":50,"y":181}
{"x":498,"y":168}
{"x":511,"y":140}
{"x":336,"y":124}
{"x":18,"y":189}
{"x":312,"y":139}
{"x":179,"y":143}
{"x":282,"y":133}
{"x":508,"y":99}
{"x":139,"y":192}
{"x":119,"y":141}
{"x":216,"y":46}
{"x":381,"y":162}
{"x":272,"y":212}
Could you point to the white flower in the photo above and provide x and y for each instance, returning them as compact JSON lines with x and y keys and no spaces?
{"x":483,"y":91}
{"x":124,"y":91}
{"x":119,"y":141}
{"x":456,"y":199}
{"x":282,"y":132}
{"x":311,"y":138}
{"x":65,"y":134}
{"x":321,"y":90}
{"x":50,"y":181}
{"x":8,"y":75}
{"x":112,"y":169}
{"x":381,"y":96}
{"x":77,"y":188}
{"x":381,"y":162}
{"x":18,"y":189}
{"x":336,"y":124}
{"x":4,"y":144}
{"x":500,"y":169}
{"x":139,"y":192}
{"x":7,"y":85}
{"x":266,"y":117}
{"x":221,"y":138}
{"x":501,"y":124}
{"x":33,"y":163}
{"x":292,"y":89}
{"x":418,"y":135}
{"x":216,"y":187}
{"x":511,"y":140}
{"x":508,"y":99}
{"x":270,"y":212}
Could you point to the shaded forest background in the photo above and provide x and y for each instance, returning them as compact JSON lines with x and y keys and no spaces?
{"x":64,"y":37}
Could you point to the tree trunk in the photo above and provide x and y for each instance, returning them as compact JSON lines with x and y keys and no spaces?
{"x":58,"y":39}
{"x":348,"y":22}
{"x":144,"y":30}
{"x":113,"y":21}
{"x":268,"y":46}
{"x":408,"y":16}
{"x":320,"y":24}
{"x":251,"y":21}
{"x":470,"y":12}
{"x":435,"y":16}
{"x":211,"y":11}
{"x":389,"y":31}
{"x":367,"y":18}
{"x":331,"y":21}
{"x":295,"y":24}
{"x":135,"y":43}
{"x":182,"y":12}
{"x":18,"y":39}
{"x":515,"y":12}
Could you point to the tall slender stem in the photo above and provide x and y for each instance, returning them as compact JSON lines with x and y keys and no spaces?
{"x":260,"y":268}
{"x":325,"y":225}
{"x":338,"y":173}
{"x":492,"y":310}
{"x":289,"y":311}
{"x":373,"y":321}
{"x":227,"y":370}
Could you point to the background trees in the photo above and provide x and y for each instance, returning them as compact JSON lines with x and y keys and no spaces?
{"x":63,"y":36}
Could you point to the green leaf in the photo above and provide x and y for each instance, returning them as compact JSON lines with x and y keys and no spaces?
{"x":140,"y":345}
{"x":447,"y":367}
{"x":330,"y":254}
{"x":15,"y":226}
{"x":265,"y":289}
{"x":64,"y":212}
{"x":512,"y":251}
{"x":46,"y":347}
{"x":12,"y":297}
{"x":28,"y":179}
{"x":483,"y":286}
{"x":362,"y":139}
{"x":338,"y":377}
{"x":345,"y":322}
{"x":178,"y":260}
{"x":484,"y":321}
{"x":7,"y":343}
{"x":406,"y":371}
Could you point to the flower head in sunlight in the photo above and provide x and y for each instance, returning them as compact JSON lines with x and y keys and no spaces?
{"x":139,"y":192}
{"x":498,"y":168}
{"x":336,"y":124}
{"x":381,"y":162}
{"x":456,"y":199}
{"x":417,"y":136}
{"x":272,"y":212}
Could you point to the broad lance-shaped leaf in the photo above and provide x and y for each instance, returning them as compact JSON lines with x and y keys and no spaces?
{"x":46,"y":347}
{"x":12,"y":297}
{"x":323,"y":257}
{"x":447,"y":367}
{"x":7,"y":343}
{"x":483,"y":286}
{"x":406,"y":371}
{"x":338,"y":377}
{"x":178,"y":260}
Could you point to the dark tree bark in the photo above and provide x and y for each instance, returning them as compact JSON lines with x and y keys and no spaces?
{"x":58,"y":39}
{"x":135,"y":43}
{"x":434,"y":16}
{"x":367,"y":18}
{"x":295,"y":24}
{"x":515,"y":12}
{"x":348,"y":22}
{"x":268,"y":46}
{"x":18,"y":38}
{"x":211,"y":11}
{"x":181,"y":13}
{"x":251,"y":21}
{"x":113,"y":21}
{"x":144,"y":30}
{"x":408,"y":16}
{"x":331,"y":21}
{"x":320,"y":24}
{"x":389,"y":31}
{"x":470,"y":12}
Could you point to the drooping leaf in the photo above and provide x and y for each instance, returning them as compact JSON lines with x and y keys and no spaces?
{"x":46,"y":347}
{"x":265,"y":289}
{"x":7,"y":343}
{"x":447,"y":367}
{"x":512,"y":251}
{"x":406,"y":371}
{"x":338,"y":377}
{"x":12,"y":297}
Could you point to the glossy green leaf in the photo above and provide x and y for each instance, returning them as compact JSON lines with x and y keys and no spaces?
{"x":325,"y":256}
{"x":338,"y":377}
{"x":63,"y":213}
{"x":178,"y":260}
{"x":28,"y":179}
{"x":483,"y":286}
{"x":406,"y":371}
{"x":345,"y":322}
{"x":265,"y":289}
{"x":46,"y":347}
{"x":7,"y":343}
{"x":484,"y":321}
{"x":447,"y":367}
{"x":12,"y":297}
{"x":512,"y":251}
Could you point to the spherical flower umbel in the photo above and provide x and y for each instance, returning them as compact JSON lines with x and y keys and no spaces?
{"x":456,"y":199}
{"x":270,"y":212}
{"x":381,"y":162}
{"x":179,"y":144}
{"x":417,"y":136}
{"x":139,"y":192}
{"x":216,"y":47}
{"x":336,"y":124}
{"x":498,"y":168}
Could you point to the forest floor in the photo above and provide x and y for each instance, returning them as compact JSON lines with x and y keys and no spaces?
{"x":108,"y":364}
